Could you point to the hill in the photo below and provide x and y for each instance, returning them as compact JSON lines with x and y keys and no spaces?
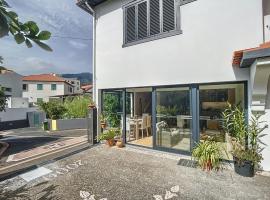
{"x":85,"y":78}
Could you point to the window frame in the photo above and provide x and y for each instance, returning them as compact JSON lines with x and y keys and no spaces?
{"x":149,"y":37}
{"x":39,"y":84}
{"x":53,"y":88}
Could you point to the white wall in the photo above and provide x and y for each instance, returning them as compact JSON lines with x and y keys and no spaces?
{"x":32,"y":93}
{"x":17,"y":102}
{"x":212,"y":31}
{"x":14,"y":114}
{"x":12,"y":80}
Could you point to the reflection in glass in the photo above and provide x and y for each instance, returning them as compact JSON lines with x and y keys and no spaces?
{"x":173,"y":118}
{"x":213,"y":101}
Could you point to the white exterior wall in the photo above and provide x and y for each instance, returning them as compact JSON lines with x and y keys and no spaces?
{"x":32,"y":93}
{"x":17,"y":102}
{"x":14,"y":114}
{"x":212,"y":31}
{"x":12,"y":80}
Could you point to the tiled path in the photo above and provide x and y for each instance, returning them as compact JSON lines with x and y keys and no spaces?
{"x":130,"y":174}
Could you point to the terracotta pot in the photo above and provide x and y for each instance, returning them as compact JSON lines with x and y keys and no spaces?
{"x":92,"y":106}
{"x":120,"y":144}
{"x":103,"y":125}
{"x":208,"y":166}
{"x":110,"y":142}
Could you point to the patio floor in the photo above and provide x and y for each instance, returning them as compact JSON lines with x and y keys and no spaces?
{"x":131,"y":173}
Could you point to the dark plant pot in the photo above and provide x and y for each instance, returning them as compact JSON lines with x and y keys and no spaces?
{"x":244,"y":168}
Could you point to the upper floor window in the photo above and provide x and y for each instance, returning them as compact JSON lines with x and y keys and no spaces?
{"x":146,"y":20}
{"x":53,"y":86}
{"x":39,"y":86}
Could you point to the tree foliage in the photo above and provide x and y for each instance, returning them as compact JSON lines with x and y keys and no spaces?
{"x":27,"y":32}
{"x":2,"y":100}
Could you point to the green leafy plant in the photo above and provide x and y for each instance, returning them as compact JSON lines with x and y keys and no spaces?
{"x":110,"y":109}
{"x":170,"y":110}
{"x":109,"y":134}
{"x":3,"y":100}
{"x":208,"y":154}
{"x":245,"y":137}
{"x":77,"y":107}
{"x":27,"y":32}
{"x":53,"y":109}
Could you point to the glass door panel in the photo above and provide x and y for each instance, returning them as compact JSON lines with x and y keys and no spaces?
{"x":213,"y":101}
{"x":139,"y":116}
{"x":173,"y":118}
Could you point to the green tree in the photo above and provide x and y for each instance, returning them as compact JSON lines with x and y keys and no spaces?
{"x":27,"y":32}
{"x":2,"y":100}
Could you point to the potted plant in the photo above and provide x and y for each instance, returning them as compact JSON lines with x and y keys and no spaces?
{"x":92,"y":104}
{"x":108,"y":135}
{"x":245,"y":140}
{"x":208,"y":154}
{"x":102,"y":121}
{"x":119,"y":139}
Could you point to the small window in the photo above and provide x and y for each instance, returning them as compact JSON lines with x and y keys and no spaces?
{"x":53,"y":86}
{"x":70,"y":89}
{"x":39,"y":86}
{"x":24,"y":87}
{"x":8,"y":89}
{"x":147,"y":20}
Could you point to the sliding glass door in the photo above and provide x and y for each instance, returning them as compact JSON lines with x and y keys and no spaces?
{"x":173,"y":118}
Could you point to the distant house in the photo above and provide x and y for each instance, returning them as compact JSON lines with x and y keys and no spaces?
{"x":76,"y":84}
{"x":38,"y":88}
{"x":11,"y":83}
{"x":87,"y":89}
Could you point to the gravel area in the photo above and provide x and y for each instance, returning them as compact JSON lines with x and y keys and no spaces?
{"x":130,"y":174}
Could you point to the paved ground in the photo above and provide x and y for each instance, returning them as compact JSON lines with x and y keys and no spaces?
{"x":129,"y":173}
{"x":29,"y":138}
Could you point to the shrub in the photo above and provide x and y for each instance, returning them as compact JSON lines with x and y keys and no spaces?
{"x":53,"y":109}
{"x":77,"y":107}
{"x":109,"y":134}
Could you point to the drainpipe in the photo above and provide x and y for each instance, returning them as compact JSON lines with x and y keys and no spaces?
{"x":93,"y":50}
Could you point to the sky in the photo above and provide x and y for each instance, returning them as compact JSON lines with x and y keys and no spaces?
{"x":71,"y":39}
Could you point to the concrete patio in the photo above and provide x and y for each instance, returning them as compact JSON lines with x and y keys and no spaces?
{"x":131,"y":173}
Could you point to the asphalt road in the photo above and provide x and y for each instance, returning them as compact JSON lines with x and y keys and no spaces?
{"x":29,"y":138}
{"x":129,"y":174}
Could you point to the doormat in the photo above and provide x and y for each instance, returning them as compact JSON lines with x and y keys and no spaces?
{"x":187,"y":163}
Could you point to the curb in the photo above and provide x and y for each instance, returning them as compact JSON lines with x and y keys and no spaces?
{"x":3,"y":148}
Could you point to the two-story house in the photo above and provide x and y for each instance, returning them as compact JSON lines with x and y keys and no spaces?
{"x":168,"y":64}
{"x":41,"y":87}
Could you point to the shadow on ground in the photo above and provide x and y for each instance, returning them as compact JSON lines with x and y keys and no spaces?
{"x":45,"y":191}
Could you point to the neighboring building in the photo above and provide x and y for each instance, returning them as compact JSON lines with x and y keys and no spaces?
{"x":76,"y":84}
{"x":17,"y":102}
{"x":11,"y":83}
{"x":87,"y":89}
{"x":41,"y":87}
{"x":168,"y":63}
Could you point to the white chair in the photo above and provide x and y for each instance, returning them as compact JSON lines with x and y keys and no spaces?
{"x":143,"y":125}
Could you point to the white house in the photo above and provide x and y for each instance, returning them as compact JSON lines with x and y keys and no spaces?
{"x":43,"y":86}
{"x":76,"y":85}
{"x":11,"y":83}
{"x":172,"y":63}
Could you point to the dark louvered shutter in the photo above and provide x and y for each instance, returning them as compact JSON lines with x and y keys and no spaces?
{"x":130,"y":24}
{"x":142,"y":20}
{"x":168,"y":15}
{"x":154,"y":17}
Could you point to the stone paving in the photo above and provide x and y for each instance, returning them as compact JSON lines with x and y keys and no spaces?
{"x":131,"y":173}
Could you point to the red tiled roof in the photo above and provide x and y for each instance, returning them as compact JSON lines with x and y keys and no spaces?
{"x":44,"y":78}
{"x":238,"y":55}
{"x":86,"y":87}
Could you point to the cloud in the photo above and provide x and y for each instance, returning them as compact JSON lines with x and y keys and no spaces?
{"x":37,"y":64}
{"x":77,"y":45}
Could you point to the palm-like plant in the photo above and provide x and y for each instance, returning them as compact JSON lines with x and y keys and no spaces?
{"x":208,"y":154}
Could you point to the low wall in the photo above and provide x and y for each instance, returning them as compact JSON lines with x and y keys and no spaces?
{"x":68,"y":124}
